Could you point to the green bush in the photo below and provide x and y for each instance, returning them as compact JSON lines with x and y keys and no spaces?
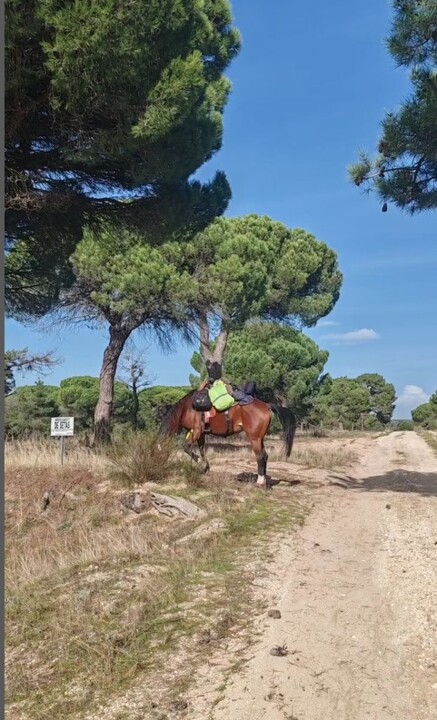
{"x":29,"y":409}
{"x":405,"y":425}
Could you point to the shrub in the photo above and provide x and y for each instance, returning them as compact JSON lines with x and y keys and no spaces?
{"x":141,"y":458}
{"x":405,"y":425}
{"x":319,"y":432}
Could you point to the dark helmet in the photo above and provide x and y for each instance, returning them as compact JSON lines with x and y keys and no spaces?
{"x":214,"y":370}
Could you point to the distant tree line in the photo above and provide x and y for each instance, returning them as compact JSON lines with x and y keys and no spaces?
{"x":29,"y":408}
{"x":286,"y":365}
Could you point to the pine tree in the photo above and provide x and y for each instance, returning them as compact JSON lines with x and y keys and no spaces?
{"x":253,"y":267}
{"x":110,"y":109}
{"x":22,"y":361}
{"x":405,"y":170}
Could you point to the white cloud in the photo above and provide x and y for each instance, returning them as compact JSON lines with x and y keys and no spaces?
{"x":327,"y":323}
{"x":411,"y":397}
{"x":355,"y":336}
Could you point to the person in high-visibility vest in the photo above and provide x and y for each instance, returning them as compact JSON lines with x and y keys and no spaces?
{"x":240,"y":395}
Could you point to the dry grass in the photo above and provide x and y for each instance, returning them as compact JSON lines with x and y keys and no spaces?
{"x":308,"y":451}
{"x":141,"y":458}
{"x":431,"y":438}
{"x":97,"y":595}
{"x":324,"y":457}
{"x":192,"y":474}
{"x":41,"y":453}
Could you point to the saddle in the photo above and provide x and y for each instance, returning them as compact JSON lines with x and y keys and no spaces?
{"x":215,"y":402}
{"x":201,"y":402}
{"x":216,"y":422}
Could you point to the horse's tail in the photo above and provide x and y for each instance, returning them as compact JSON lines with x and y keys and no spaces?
{"x":288,"y":422}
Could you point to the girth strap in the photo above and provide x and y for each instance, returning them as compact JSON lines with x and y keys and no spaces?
{"x":228,"y":422}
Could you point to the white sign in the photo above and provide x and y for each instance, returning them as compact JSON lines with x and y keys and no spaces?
{"x":62,"y":426}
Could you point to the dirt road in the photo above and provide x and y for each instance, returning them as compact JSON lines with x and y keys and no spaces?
{"x":357,"y":591}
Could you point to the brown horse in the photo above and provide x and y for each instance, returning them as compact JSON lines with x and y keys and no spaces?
{"x":253,"y":419}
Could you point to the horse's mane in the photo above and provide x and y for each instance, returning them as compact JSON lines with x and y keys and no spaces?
{"x":173,"y":413}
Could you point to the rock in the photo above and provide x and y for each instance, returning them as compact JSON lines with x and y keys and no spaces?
{"x":202,"y":532}
{"x":388,"y":506}
{"x":136,"y":501}
{"x":170,"y":506}
{"x":274,"y":614}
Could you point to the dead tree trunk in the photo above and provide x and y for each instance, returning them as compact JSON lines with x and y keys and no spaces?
{"x":103,"y":412}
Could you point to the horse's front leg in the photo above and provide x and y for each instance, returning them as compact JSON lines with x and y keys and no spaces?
{"x":188,"y":446}
{"x":202,"y":450}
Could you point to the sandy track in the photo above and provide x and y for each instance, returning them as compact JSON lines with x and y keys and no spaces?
{"x":357,"y":592}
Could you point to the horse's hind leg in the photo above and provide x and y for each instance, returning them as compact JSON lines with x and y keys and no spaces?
{"x":261,"y":458}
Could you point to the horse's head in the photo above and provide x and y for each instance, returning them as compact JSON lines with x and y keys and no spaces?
{"x":170,"y":415}
{"x":161,"y":411}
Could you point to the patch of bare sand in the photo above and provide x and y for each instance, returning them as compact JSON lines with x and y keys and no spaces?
{"x":356,"y":590}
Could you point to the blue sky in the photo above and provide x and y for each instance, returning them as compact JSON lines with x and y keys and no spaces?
{"x":310,"y":88}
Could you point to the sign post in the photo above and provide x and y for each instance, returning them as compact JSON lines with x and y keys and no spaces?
{"x":62,"y":427}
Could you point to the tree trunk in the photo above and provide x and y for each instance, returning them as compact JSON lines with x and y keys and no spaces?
{"x":103,"y":412}
{"x":135,"y":405}
{"x":207,"y":353}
